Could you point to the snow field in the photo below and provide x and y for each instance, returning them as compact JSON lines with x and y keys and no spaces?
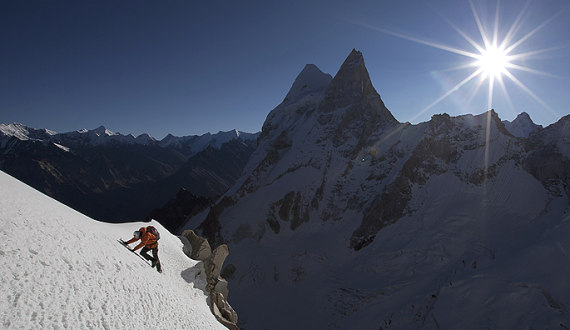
{"x":62,"y":269}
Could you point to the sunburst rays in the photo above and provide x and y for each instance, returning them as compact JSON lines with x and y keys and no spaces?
{"x":493,"y":59}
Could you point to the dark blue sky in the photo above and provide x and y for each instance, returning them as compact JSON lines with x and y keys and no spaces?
{"x":190,"y":67}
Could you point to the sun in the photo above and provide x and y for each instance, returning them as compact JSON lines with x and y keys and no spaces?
{"x":493,"y":62}
{"x":494,"y":58}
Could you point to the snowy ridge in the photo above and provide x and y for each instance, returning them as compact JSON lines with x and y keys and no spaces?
{"x":101,"y":136}
{"x":62,"y":269}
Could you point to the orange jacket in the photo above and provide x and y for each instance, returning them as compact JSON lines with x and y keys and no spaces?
{"x":147,"y":239}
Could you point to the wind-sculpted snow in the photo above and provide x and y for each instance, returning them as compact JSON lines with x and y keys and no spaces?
{"x":61,"y":269}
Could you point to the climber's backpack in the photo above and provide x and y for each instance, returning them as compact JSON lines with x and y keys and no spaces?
{"x":153,"y":231}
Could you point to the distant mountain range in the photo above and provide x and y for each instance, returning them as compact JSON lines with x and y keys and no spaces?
{"x":187,"y":145}
{"x":114,"y":177}
{"x":349,"y":219}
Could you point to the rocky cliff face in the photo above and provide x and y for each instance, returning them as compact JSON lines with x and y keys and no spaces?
{"x":350,"y":219}
{"x":198,"y":248}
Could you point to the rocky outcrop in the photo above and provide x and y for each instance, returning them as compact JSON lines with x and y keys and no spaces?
{"x":198,"y":248}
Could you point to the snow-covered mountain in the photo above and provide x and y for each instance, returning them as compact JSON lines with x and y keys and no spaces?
{"x":522,"y":126}
{"x":349,"y":219}
{"x":61,"y":269}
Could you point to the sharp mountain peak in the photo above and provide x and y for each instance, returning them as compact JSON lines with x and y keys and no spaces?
{"x":352,"y":87}
{"x":310,"y":80}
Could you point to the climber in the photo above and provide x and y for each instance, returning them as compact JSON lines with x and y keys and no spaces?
{"x":149,"y":237}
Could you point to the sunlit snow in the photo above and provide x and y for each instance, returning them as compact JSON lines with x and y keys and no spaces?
{"x":61,"y":269}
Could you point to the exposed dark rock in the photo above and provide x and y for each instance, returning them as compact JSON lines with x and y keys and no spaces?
{"x":211,"y":226}
{"x":365,"y":112}
{"x":179,"y":209}
{"x":545,"y":161}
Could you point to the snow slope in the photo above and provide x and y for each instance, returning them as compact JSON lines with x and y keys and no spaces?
{"x":62,"y":269}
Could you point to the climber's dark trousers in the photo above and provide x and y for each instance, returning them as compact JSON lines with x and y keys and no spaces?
{"x":144,"y":253}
